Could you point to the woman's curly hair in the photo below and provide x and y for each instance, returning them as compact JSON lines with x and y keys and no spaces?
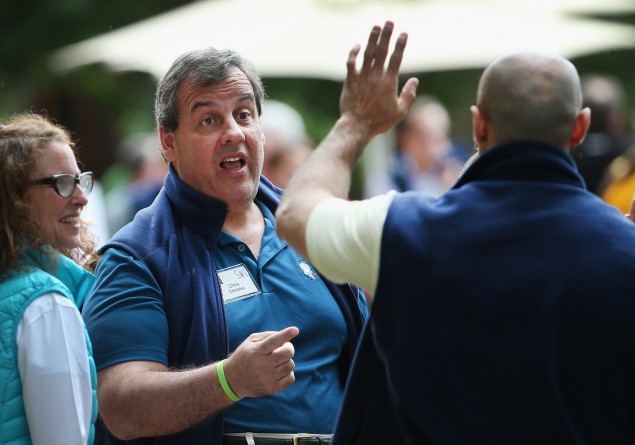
{"x":22,"y":140}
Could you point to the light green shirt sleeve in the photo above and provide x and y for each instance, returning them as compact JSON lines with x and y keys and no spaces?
{"x":343,"y":239}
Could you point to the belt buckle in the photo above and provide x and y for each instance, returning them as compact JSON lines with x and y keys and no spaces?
{"x":297,"y":437}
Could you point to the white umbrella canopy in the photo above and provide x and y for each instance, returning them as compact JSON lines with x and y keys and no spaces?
{"x":609,"y":7}
{"x":311,"y":38}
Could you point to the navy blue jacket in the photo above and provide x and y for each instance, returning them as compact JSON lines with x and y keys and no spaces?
{"x":504,"y":314}
{"x":176,"y":238}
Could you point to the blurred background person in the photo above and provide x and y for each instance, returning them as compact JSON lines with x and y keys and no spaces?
{"x":619,"y":181}
{"x":287,"y":144}
{"x":285,"y":162}
{"x":425,"y":157}
{"x":609,"y":136}
{"x":97,"y":216}
{"x":138,"y":177}
{"x":47,"y":374}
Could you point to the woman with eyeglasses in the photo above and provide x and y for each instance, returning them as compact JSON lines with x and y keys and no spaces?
{"x":47,"y":374}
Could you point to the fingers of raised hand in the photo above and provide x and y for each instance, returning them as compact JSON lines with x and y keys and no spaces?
{"x":397,"y":54}
{"x":408,"y":94}
{"x":377,"y":47}
{"x":382,"y":48}
{"x":352,"y":60}
{"x":369,"y":52}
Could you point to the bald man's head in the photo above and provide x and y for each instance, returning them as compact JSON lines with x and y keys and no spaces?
{"x":530,"y":96}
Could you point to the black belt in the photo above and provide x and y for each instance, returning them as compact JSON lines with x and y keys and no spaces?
{"x":241,"y":440}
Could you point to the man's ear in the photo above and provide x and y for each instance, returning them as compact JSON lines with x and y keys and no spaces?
{"x":479,"y":127}
{"x":167,"y":141}
{"x":580,"y":127}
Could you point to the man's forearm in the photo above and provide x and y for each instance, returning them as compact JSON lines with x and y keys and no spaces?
{"x":155,"y":403}
{"x":142,"y":398}
{"x":325,"y":174}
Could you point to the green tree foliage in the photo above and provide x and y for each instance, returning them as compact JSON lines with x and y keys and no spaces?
{"x":101,"y":107}
{"x":96,"y":105}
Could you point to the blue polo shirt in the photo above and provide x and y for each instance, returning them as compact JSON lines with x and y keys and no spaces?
{"x":291,"y":294}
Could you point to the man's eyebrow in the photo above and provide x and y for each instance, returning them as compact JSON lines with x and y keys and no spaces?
{"x":200,"y":104}
{"x":244,"y":98}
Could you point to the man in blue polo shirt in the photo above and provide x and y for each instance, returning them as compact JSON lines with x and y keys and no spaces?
{"x":207,"y":327}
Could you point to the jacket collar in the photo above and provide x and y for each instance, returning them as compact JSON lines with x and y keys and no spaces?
{"x":526,"y":161}
{"x":201,"y":214}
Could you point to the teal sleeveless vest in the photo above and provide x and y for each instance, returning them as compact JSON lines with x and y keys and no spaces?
{"x":16,"y":293}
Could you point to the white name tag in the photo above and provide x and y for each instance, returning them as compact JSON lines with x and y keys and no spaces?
{"x":236,"y":283}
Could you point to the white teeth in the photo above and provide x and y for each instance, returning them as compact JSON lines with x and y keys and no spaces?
{"x":231,"y":159}
{"x":71,"y":219}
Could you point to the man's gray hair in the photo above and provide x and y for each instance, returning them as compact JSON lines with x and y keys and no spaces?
{"x":200,"y":67}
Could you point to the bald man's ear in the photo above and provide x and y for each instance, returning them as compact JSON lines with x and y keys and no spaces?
{"x":580,"y":127}
{"x":479,"y":127}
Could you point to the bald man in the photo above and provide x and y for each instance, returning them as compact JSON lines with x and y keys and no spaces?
{"x":504,"y":310}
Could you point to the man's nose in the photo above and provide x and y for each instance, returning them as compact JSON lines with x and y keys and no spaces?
{"x":232,"y":133}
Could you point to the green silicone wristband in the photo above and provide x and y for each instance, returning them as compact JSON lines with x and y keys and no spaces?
{"x":223,"y":382}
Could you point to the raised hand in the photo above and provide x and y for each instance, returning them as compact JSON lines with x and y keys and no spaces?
{"x":262,"y":364}
{"x":370,"y":95}
{"x":370,"y":104}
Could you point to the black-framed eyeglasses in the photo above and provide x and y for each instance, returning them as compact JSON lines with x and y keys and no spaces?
{"x":64,"y":184}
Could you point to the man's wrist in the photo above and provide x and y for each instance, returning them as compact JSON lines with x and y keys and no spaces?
{"x":355,"y":127}
{"x":220,"y":371}
{"x":348,"y":139}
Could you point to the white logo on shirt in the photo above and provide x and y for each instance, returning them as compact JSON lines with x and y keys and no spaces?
{"x":306,"y":270}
